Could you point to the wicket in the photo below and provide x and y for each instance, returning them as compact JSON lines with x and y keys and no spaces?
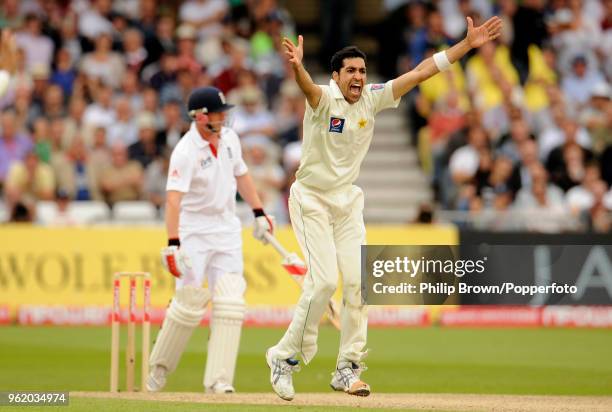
{"x":131,"y":343}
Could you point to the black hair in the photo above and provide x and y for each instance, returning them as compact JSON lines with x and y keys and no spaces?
{"x":337,"y":60}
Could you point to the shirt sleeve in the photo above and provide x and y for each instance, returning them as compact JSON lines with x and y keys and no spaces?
{"x":180,"y":173}
{"x":323,"y":105}
{"x":381,"y":95}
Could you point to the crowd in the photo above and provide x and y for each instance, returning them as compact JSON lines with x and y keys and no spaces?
{"x":523,"y":124}
{"x":98,"y":99}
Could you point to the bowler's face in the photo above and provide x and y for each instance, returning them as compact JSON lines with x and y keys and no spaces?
{"x":351,"y":79}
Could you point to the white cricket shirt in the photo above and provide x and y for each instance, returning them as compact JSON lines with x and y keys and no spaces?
{"x":337,"y":135}
{"x":208,"y":182}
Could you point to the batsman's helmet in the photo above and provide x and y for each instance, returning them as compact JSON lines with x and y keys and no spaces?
{"x":207,"y":100}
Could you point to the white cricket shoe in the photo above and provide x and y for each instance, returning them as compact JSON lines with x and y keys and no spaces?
{"x":220,"y":387}
{"x":156,"y":379}
{"x":280,"y":375}
{"x":346,"y":378}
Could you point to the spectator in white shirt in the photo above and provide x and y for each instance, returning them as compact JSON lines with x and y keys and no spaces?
{"x":38,"y":47}
{"x":252,"y":119}
{"x":124,"y":128}
{"x":103,"y":63}
{"x":205,"y":15}
{"x":93,"y":21}
{"x":578,"y":84}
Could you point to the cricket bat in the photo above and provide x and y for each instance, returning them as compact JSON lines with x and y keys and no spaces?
{"x":297,"y":269}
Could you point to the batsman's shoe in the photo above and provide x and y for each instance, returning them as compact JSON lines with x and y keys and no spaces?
{"x":156,"y":379}
{"x":220,"y":387}
{"x":346,"y":378}
{"x":280,"y":375}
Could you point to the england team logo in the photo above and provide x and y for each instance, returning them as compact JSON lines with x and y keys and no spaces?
{"x":336,"y":124}
{"x":206,"y":163}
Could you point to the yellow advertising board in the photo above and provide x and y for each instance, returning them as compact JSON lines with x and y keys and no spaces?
{"x":75,"y":266}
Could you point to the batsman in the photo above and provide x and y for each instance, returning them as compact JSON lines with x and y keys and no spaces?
{"x":326,"y":209}
{"x":204,"y":241}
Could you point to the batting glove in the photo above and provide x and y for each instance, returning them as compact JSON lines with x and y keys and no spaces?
{"x":263,"y":223}
{"x":175,"y":261}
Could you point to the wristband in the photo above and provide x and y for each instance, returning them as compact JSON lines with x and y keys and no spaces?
{"x":441,"y":61}
{"x":258,"y":212}
{"x":174,"y":242}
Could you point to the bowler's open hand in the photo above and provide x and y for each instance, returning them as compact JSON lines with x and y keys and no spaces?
{"x":294,"y":53}
{"x":490,"y":30}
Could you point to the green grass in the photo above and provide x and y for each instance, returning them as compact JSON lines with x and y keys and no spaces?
{"x":90,"y":404}
{"x":504,"y":361}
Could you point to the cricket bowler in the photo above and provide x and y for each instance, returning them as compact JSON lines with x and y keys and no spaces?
{"x":326,"y":209}
{"x":204,"y":240}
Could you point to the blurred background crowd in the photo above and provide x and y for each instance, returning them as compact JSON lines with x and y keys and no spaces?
{"x":98,"y":99}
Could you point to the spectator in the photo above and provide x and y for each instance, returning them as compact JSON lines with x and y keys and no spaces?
{"x":492,"y":80}
{"x":145,"y":149}
{"x":13,"y":145}
{"x":205,"y":15}
{"x":252,"y":119}
{"x":42,"y":141}
{"x":566,"y":162}
{"x":40,"y":83}
{"x":542,"y":203}
{"x":503,"y":180}
{"x":166,"y":74}
{"x":99,"y":153}
{"x":186,"y":42}
{"x":289,"y":113}
{"x":29,"y":181}
{"x":528,"y":28}
{"x":600,"y":218}
{"x":130,"y":89}
{"x":101,"y":112}
{"x":64,"y":74}
{"x":596,"y":117}
{"x":73,"y":123}
{"x":267,"y":174}
{"x":227,"y":80}
{"x":519,"y":132}
{"x":76,"y":176}
{"x":529,"y":160}
{"x":180,"y":90}
{"x":581,"y":197}
{"x":69,"y":38}
{"x":174,"y":125}
{"x":122,"y":179}
{"x":10,"y":16}
{"x":38,"y":47}
{"x":135,"y":55}
{"x":163,"y":40}
{"x":431,"y":37}
{"x":94,"y":20}
{"x":103,"y":64}
{"x":579,"y":84}
{"x":155,"y":178}
{"x":53,"y":102}
{"x":465,"y":161}
{"x":124,"y":128}
{"x":557,"y":132}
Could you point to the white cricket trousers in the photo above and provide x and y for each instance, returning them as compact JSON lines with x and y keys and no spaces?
{"x":330,"y":230}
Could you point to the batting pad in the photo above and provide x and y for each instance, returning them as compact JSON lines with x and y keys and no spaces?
{"x":183,"y":316}
{"x":228,"y":308}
